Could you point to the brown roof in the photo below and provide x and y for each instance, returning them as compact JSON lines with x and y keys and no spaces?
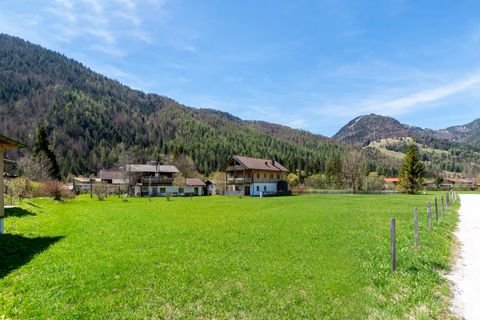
{"x":151,"y":168}
{"x":460,"y":180}
{"x":391,"y":179}
{"x":8,"y":143}
{"x":111,"y":174}
{"x":260,"y":164}
{"x":194,"y":182}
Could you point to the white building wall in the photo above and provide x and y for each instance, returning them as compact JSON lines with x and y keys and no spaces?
{"x":138,"y":191}
{"x":191,"y":190}
{"x":265,"y":187}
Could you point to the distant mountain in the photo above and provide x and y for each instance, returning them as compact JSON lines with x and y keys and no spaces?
{"x":364,"y":129}
{"x":454,"y":149}
{"x":468,"y":133}
{"x":92,"y":120}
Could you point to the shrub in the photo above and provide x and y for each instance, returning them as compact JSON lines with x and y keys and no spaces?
{"x":55,"y":189}
{"x":19,"y":188}
{"x":100,"y":191}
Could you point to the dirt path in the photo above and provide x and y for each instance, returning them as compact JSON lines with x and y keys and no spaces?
{"x":466,"y":271}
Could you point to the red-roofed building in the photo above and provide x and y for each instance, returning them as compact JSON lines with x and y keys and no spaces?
{"x":462,"y":182}
{"x":391,"y":183}
{"x":254,"y":177}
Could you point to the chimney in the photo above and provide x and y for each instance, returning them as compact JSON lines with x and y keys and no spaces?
{"x":273,"y":161}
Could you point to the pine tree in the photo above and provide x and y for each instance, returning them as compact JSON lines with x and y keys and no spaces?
{"x":41,"y":148}
{"x":412,"y":170}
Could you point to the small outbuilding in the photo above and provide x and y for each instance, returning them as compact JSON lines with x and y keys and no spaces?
{"x":5,"y":144}
{"x":194,"y":186}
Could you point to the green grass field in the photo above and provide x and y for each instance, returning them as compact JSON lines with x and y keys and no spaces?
{"x":323,"y":257}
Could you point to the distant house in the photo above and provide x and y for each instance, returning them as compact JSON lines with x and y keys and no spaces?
{"x":193,"y":186}
{"x":149,"y":180}
{"x":82,"y":184}
{"x":460,"y":182}
{"x":112,"y":176}
{"x":152,"y":179}
{"x":391,"y":183}
{"x":114,"y":180}
{"x":254,"y":177}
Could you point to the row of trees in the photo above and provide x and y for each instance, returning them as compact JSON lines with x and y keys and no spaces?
{"x":353,"y":172}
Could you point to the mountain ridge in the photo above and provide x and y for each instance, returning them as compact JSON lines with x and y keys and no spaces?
{"x":365,"y":128}
{"x":93,"y":119}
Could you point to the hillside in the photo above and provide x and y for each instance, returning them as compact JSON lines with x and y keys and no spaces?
{"x":363,"y":129}
{"x":92,"y":119}
{"x":468,"y":133}
{"x":454,"y":149}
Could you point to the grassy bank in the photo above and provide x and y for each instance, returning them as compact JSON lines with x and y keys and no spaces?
{"x":322,"y":256}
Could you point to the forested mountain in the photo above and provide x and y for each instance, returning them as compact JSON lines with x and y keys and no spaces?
{"x":93,"y":120}
{"x":455,"y":149}
{"x":363,"y":129}
{"x":468,"y":133}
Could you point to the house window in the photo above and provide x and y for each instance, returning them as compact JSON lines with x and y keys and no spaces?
{"x":278,"y":176}
{"x":163,"y":190}
{"x":271,"y":176}
{"x":258,"y":188}
{"x":265,"y":175}
{"x":264,"y":188}
{"x":180,"y":190}
{"x":258,"y":175}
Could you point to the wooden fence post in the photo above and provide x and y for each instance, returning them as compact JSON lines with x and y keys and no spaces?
{"x":436,"y":210}
{"x":443,"y":207}
{"x":447,"y":201}
{"x":429,"y":213}
{"x":393,"y":244}
{"x":415,"y":226}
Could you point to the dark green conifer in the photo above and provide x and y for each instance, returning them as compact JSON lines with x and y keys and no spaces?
{"x":412,"y":170}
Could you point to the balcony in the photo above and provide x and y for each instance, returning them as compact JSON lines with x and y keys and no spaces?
{"x":239,"y":180}
{"x":156,"y":181}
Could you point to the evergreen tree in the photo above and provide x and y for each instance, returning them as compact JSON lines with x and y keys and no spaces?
{"x":41,"y":149}
{"x":334,"y":170}
{"x":412,"y":170}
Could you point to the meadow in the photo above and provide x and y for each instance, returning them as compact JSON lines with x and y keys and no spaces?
{"x":318,"y":256}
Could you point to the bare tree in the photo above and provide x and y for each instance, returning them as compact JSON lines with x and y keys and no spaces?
{"x":352,"y":169}
{"x":179,"y":180}
{"x":36,"y":168}
{"x":125,"y":158}
{"x":186,"y":166}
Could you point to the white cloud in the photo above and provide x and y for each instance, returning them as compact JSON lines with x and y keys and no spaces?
{"x":405,"y":104}
{"x":391,"y":102}
{"x":100,"y":23}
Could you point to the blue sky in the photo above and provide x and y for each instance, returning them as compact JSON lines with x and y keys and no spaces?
{"x":307,"y":64}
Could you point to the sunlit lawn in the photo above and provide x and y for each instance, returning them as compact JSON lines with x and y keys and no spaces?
{"x":323,"y":256}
